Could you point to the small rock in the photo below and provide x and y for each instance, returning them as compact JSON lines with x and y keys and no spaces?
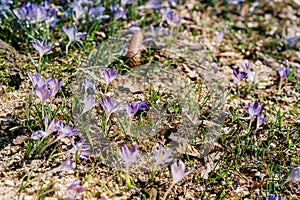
{"x":9,"y":183}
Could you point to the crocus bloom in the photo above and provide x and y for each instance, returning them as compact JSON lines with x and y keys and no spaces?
{"x":89,"y":103}
{"x":67,"y":165}
{"x":88,"y":86}
{"x":292,"y":41}
{"x":152,"y":4}
{"x":133,"y":108}
{"x":74,"y":191}
{"x":219,"y":36}
{"x":36,"y":79}
{"x":109,"y":75}
{"x":54,"y":85}
{"x":67,"y":131}
{"x":295,"y":175}
{"x":48,"y":89}
{"x":273,"y":197}
{"x":247,"y":70}
{"x":119,"y":12}
{"x":43,"y":93}
{"x":80,"y":148}
{"x":4,"y":6}
{"x":177,"y":170}
{"x":41,"y":47}
{"x":238,"y":76}
{"x":261,"y":119}
{"x":109,"y":106}
{"x":33,"y":13}
{"x":96,"y":13}
{"x":78,"y":10}
{"x":45,"y":88}
{"x":173,"y":3}
{"x":125,"y":2}
{"x":128,"y":156}
{"x":160,"y":156}
{"x":143,"y":105}
{"x":49,"y":128}
{"x":157,"y":31}
{"x":283,"y":72}
{"x":173,"y":19}
{"x":72,"y":33}
{"x":253,"y":110}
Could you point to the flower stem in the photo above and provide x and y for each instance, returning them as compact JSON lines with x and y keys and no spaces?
{"x":127,"y":177}
{"x":250,"y":123}
{"x":168,"y":191}
{"x":129,"y":125}
{"x":67,"y":48}
{"x":280,"y":85}
{"x":49,"y":144}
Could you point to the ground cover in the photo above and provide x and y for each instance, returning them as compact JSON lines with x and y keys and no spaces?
{"x":149,"y":100}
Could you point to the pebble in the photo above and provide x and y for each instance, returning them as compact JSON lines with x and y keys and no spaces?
{"x":9,"y":183}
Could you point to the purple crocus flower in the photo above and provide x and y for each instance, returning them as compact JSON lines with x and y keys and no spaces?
{"x":247,"y":70}
{"x":88,"y":86}
{"x":49,"y":128}
{"x":109,"y":106}
{"x":89,"y":103}
{"x":96,"y":13}
{"x":133,"y":108}
{"x":143,"y":105}
{"x":36,"y":79}
{"x":260,"y":120}
{"x":152,"y":4}
{"x":253,"y":110}
{"x":158,"y":31}
{"x":48,"y":89}
{"x":219,"y":36}
{"x":43,"y":93}
{"x":283,"y":72}
{"x":5,"y":6}
{"x":78,"y":10}
{"x":238,"y":76}
{"x":74,"y":191}
{"x":72,"y":33}
{"x":273,"y":197}
{"x":173,"y":19}
{"x":41,"y":47}
{"x":109,"y":75}
{"x":54,"y":85}
{"x":128,"y":156}
{"x":294,"y":176}
{"x":292,"y":41}
{"x":45,"y":88}
{"x":33,"y":13}
{"x":119,"y":12}
{"x":177,"y":170}
{"x":80,"y":148}
{"x":173,"y":3}
{"x":125,"y":2}
{"x":161,"y":157}
{"x":67,"y":165}
{"x":67,"y":131}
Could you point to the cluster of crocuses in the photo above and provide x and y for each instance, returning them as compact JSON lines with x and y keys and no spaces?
{"x":42,"y":47}
{"x":161,"y":157}
{"x":254,"y":109}
{"x":80,"y":10}
{"x":46,"y":89}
